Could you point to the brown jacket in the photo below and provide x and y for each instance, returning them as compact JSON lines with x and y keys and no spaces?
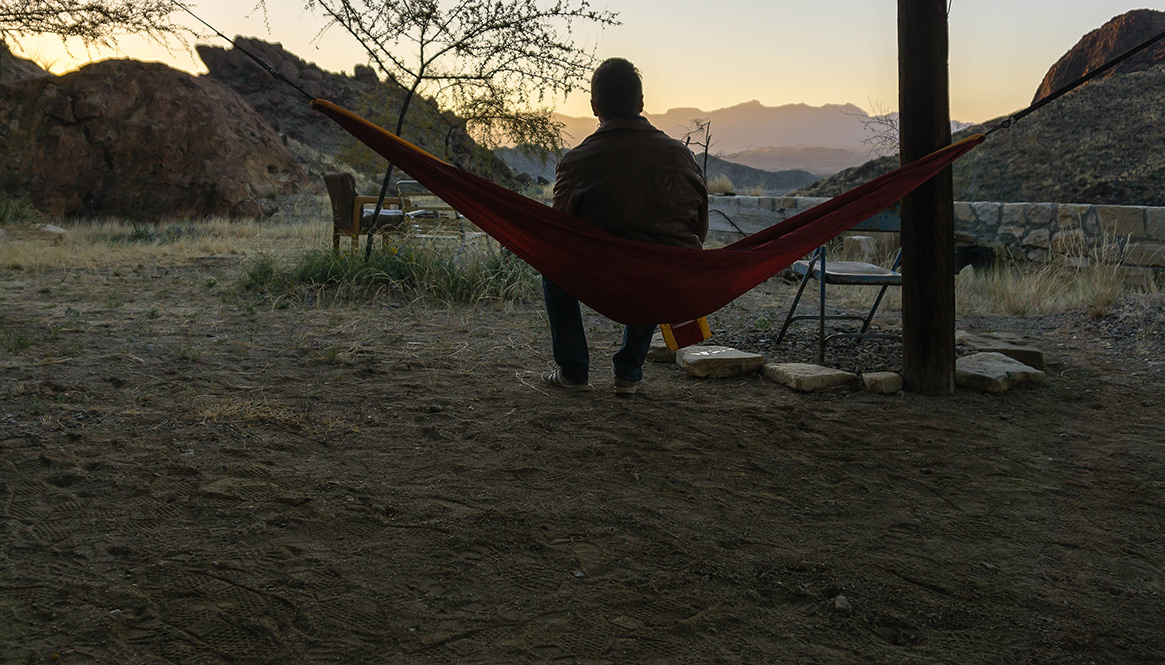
{"x":636,"y":182}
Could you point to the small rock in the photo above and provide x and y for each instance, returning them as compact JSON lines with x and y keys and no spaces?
{"x":842,"y":606}
{"x":882,"y":383}
{"x":808,"y":378}
{"x":719,"y":361}
{"x":993,"y":372}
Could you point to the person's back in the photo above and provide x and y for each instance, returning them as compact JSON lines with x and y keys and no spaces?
{"x":636,"y":182}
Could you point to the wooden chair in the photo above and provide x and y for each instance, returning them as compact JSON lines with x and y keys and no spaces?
{"x":352,"y":214}
{"x":851,"y":273}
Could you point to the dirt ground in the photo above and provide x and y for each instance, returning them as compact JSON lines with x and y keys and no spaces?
{"x":192,"y":476}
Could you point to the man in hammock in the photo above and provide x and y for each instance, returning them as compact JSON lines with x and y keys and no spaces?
{"x":632,"y":180}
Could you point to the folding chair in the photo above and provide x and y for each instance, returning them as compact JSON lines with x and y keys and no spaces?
{"x":846,"y":273}
{"x":352,"y":215}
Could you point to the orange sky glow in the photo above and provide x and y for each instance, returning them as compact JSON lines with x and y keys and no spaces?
{"x":713,"y":55}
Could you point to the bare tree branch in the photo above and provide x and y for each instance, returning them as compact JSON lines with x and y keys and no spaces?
{"x":494,"y":63}
{"x":97,"y":22}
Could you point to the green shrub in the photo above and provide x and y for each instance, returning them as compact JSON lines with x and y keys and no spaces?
{"x":16,"y":210}
{"x":452,"y":274}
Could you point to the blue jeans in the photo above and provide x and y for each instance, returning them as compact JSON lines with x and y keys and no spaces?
{"x":569,"y":340}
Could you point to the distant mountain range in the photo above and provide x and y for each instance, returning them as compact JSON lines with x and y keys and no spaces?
{"x":743,"y":177}
{"x":819,"y":139}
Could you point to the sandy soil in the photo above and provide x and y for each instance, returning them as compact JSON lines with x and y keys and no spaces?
{"x":189,"y":476}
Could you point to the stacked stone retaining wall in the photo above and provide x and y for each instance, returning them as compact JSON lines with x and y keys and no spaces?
{"x":1072,"y":234}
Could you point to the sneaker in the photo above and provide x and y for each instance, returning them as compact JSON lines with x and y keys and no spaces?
{"x":558,"y":379}
{"x":626,"y":386}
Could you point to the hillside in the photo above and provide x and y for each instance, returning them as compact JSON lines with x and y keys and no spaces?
{"x":773,"y":183}
{"x":1100,"y":144}
{"x":319,"y":143}
{"x":821,"y":160}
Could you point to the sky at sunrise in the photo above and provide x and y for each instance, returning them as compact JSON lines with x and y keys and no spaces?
{"x":710,"y":55}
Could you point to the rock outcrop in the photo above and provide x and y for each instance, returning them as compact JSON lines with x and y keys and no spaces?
{"x":140,"y":140}
{"x":1100,"y":145}
{"x":14,"y":68}
{"x":1105,"y":43}
{"x":286,"y":109}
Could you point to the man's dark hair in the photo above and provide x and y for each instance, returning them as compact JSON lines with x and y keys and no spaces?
{"x":617,"y":89}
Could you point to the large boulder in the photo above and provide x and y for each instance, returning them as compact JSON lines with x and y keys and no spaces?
{"x":140,"y":140}
{"x":1105,"y":43}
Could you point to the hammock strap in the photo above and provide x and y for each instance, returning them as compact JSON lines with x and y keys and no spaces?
{"x":1056,"y":94}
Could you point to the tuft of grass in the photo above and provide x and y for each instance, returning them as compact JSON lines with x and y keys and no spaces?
{"x":262,"y":274}
{"x":720,"y":185}
{"x":14,"y":341}
{"x":321,"y":267}
{"x":188,"y":353}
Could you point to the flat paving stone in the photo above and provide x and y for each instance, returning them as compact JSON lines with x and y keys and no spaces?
{"x":1010,"y":345}
{"x":993,"y":372}
{"x":719,"y":361}
{"x":808,"y":378}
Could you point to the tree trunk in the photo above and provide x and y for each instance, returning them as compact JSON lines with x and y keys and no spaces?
{"x":928,"y":246}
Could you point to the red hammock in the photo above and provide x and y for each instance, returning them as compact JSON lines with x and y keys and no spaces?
{"x":630,"y":281}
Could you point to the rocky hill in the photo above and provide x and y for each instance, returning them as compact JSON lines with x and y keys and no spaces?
{"x":1105,"y":43}
{"x":1100,"y":144}
{"x":14,"y":68}
{"x":772,"y":183}
{"x":320,"y":144}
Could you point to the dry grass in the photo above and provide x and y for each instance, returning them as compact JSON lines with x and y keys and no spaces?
{"x":293,"y":252}
{"x":120,"y":244}
{"x":720,"y":185}
{"x":1095,"y":284}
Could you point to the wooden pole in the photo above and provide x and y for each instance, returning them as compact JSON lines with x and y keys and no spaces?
{"x":928,"y":244}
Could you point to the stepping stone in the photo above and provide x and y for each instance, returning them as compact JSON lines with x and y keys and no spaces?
{"x":1010,"y":345}
{"x":993,"y":372}
{"x":659,"y":352}
{"x":809,"y":378}
{"x":882,"y":383}
{"x":720,"y":361}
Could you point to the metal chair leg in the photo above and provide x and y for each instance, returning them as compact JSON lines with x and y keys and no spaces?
{"x":874,"y":309}
{"x":821,"y":309}
{"x":800,"y":290}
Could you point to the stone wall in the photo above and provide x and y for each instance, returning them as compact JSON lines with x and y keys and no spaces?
{"x":1044,"y":232}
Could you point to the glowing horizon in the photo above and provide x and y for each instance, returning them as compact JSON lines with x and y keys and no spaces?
{"x":780,"y":52}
